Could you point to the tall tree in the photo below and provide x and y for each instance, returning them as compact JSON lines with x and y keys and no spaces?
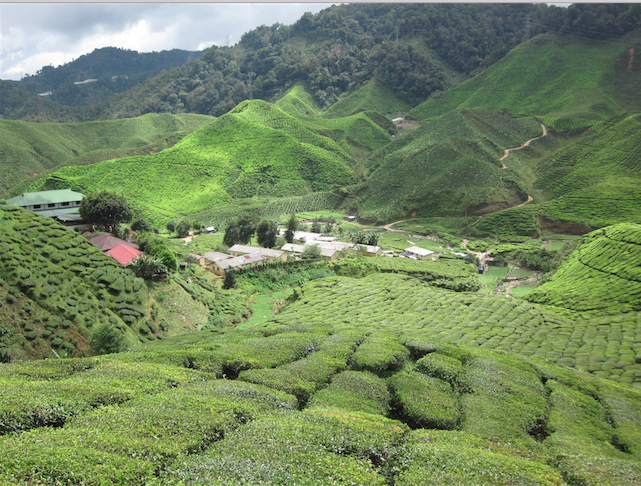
{"x":241,"y":229}
{"x":105,"y":208}
{"x":267,"y":232}
{"x":292,"y":226}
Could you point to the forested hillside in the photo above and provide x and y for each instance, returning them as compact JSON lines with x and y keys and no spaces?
{"x":114,"y":71}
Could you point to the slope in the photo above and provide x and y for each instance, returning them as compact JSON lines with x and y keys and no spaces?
{"x":448,"y":166}
{"x":604,"y":274}
{"x":590,"y":183}
{"x":61,"y":288}
{"x":315,"y":405}
{"x":548,"y":76}
{"x":255,"y":150}
{"x":373,"y":96}
{"x":28,"y":149}
{"x":114,"y":70}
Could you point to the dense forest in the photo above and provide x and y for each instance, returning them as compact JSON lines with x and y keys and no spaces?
{"x":414,"y":49}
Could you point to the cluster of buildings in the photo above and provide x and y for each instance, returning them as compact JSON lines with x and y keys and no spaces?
{"x":243,"y":256}
{"x":63,"y":205}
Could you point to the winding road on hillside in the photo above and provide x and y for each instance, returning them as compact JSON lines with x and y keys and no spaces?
{"x":388,"y":227}
{"x":507,"y":151}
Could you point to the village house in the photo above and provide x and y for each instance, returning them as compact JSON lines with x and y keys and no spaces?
{"x":62,"y":205}
{"x":302,"y":236}
{"x":371,"y":250}
{"x":124,"y":254}
{"x":106,"y":242}
{"x":269,"y":254}
{"x":418,"y":253}
{"x":245,"y":261}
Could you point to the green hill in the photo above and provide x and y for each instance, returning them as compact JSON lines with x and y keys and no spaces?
{"x":255,"y":150}
{"x":548,"y":76}
{"x":373,"y":96}
{"x":604,"y":274}
{"x":590,"y":183}
{"x":29,"y":149}
{"x":446,"y":167}
{"x":115,"y":70}
{"x":56,"y":287}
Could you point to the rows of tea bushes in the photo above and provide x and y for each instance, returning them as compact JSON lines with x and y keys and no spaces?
{"x":609,"y":346}
{"x":452,"y":274}
{"x":603,"y":274}
{"x":218,"y":163}
{"x":315,"y":405}
{"x":372,"y":96}
{"x":30,"y":148}
{"x":457,"y":157}
{"x":64,"y":285}
{"x":572,"y":86}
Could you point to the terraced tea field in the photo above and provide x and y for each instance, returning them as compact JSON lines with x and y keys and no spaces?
{"x":401,"y":305}
{"x":457,"y":157}
{"x":33,"y":148}
{"x":315,"y":405}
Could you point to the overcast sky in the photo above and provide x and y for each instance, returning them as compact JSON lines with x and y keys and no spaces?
{"x":33,"y":35}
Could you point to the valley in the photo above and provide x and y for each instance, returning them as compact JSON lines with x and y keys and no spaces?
{"x":326,"y":296}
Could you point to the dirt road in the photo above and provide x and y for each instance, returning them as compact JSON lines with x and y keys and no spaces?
{"x":507,"y":151}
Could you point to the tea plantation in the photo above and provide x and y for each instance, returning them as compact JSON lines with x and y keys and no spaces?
{"x":219,"y":164}
{"x":319,"y":404}
{"x":28,"y":149}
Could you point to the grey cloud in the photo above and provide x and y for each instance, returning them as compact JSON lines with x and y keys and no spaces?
{"x":28,"y":31}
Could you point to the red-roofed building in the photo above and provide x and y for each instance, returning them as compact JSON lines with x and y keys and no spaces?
{"x":124,"y":254}
{"x":106,"y":242}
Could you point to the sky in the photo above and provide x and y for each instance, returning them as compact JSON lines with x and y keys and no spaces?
{"x":33,"y":35}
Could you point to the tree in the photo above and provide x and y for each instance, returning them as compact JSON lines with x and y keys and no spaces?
{"x":197,"y":225}
{"x":267,"y":232}
{"x":240,"y":229}
{"x":311,"y":252}
{"x":105,"y":208}
{"x":140,"y":225}
{"x":316,"y":226}
{"x":171,"y":226}
{"x":146,"y":266}
{"x":230,"y":280}
{"x":183,"y":227}
{"x":292,"y":226}
{"x":107,"y":339}
{"x":231,"y":234}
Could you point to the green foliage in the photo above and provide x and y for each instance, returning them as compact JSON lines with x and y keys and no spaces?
{"x":459,"y":157}
{"x":107,"y":339}
{"x":141,"y":225}
{"x":230,"y":280}
{"x":37,"y":148}
{"x":292,"y":227}
{"x":311,"y":252}
{"x":425,"y":402}
{"x":182,"y":227}
{"x":266,"y":233}
{"x":354,"y":391}
{"x":602,"y":274}
{"x":105,"y":208}
{"x":71,"y":286}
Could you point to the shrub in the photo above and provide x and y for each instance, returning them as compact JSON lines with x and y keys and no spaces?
{"x":107,"y":339}
{"x":424,"y":401}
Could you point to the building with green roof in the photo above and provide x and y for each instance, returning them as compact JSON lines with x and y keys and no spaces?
{"x":62,"y":204}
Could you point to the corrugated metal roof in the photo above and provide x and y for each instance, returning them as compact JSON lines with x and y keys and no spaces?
{"x":45,"y":197}
{"x":124,"y":254}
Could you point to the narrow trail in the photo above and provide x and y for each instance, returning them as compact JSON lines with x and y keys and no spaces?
{"x":507,"y":151}
{"x":388,"y":227}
